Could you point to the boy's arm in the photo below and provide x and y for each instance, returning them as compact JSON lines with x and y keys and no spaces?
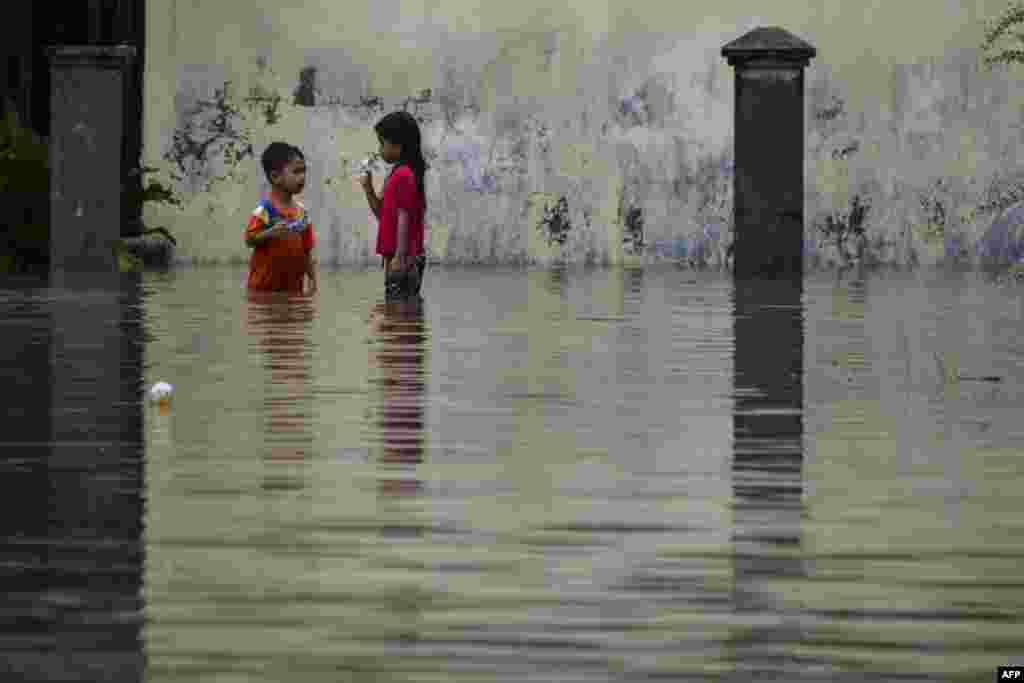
{"x":259,"y":231}
{"x":256,"y":239}
{"x":311,"y":271}
{"x":256,"y":230}
{"x":265,"y":235}
{"x":309,"y":243}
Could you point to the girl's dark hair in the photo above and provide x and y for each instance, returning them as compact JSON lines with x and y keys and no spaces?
{"x":277,"y":155}
{"x":400,"y":128}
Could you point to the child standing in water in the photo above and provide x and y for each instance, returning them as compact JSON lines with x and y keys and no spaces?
{"x":279,"y":231}
{"x":401,"y":210}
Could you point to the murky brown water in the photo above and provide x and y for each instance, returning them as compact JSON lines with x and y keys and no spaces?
{"x":600,"y":475}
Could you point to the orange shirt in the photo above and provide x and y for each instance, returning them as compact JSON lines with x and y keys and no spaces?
{"x":280,"y":263}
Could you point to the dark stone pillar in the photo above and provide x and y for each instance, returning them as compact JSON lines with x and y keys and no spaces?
{"x":89,"y":86}
{"x":95,"y":21}
{"x":769,"y":152}
{"x":131,"y":29}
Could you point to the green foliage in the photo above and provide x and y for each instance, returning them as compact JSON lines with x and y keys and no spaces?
{"x":153,"y":191}
{"x":25,"y":185}
{"x":1002,"y":30}
{"x":24,"y":158}
{"x":127,"y":262}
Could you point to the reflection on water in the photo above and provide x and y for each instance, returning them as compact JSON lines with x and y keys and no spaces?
{"x":279,"y":327}
{"x":399,"y":340}
{"x":767,"y":469}
{"x":565,"y":474}
{"x":72,"y":472}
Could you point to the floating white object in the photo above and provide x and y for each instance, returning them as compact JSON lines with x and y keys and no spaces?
{"x":161,"y":392}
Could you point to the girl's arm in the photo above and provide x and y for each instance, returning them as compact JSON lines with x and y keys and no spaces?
{"x":372,"y":198}
{"x":402,"y":249}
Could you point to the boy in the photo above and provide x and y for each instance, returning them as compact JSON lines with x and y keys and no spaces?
{"x":279,"y":231}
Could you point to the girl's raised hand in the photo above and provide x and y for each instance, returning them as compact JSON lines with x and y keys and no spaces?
{"x":366,"y":180}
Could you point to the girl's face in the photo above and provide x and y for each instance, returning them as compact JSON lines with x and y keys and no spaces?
{"x":389,"y":151}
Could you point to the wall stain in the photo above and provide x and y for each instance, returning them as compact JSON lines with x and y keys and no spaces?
{"x":934,"y":213}
{"x":934,"y":209}
{"x":713,"y":183}
{"x":840,"y":227}
{"x":418,"y":101}
{"x":633,"y":231}
{"x":832,"y":111}
{"x":211,"y":129}
{"x":555,"y":224}
{"x":306,"y":92}
{"x":270,"y":103}
{"x":541,"y":131}
{"x":1004,"y":190}
{"x":211,"y":136}
{"x":371,"y":103}
{"x":368,"y":107}
{"x":846,"y":151}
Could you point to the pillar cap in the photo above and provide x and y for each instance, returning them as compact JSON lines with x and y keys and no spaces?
{"x":769,"y":43}
{"x":100,"y":55}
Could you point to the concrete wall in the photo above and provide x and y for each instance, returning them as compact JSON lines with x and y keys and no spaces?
{"x":623,"y":109}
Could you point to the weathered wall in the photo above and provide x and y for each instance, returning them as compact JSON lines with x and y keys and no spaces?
{"x":525,"y":103}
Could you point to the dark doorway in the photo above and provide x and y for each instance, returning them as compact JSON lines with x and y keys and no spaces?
{"x":25,"y":85}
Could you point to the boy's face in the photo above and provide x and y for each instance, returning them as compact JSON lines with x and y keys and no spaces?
{"x":389,"y":151}
{"x":291,"y":178}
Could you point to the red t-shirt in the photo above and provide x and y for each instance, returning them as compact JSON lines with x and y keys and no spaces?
{"x":280,"y":264}
{"x":400,"y":193}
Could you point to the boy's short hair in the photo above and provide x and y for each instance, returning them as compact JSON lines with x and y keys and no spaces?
{"x":277,"y":155}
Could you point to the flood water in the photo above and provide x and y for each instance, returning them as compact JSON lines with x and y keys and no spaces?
{"x":536,"y":475}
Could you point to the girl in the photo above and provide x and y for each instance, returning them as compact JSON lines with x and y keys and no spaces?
{"x":401,"y":210}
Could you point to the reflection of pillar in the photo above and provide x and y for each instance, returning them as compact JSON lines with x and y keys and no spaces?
{"x":546,"y":374}
{"x":26,"y":375}
{"x":88,"y":587}
{"x":769,"y":150}
{"x":89,"y":90}
{"x":400,"y":356}
{"x":632,"y":366}
{"x":558,"y":281}
{"x":767,"y":443}
{"x":281,"y":325}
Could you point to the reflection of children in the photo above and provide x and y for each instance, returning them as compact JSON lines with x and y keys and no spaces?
{"x":280,"y":329}
{"x":401,"y":336}
{"x":402,"y":208}
{"x":279,"y":231}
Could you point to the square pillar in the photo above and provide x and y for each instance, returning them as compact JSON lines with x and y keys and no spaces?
{"x":87,"y":127}
{"x":768,"y":184}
